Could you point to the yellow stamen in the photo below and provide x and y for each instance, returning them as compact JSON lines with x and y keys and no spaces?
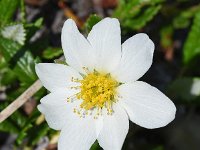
{"x":97,"y":91}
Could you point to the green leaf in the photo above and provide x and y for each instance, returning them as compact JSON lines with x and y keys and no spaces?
{"x":187,"y":89}
{"x":21,"y":136}
{"x":134,"y":14}
{"x":6,"y":75}
{"x":27,"y":127}
{"x":19,"y":59}
{"x":51,"y":53}
{"x":41,"y":129}
{"x":22,"y":11}
{"x":95,"y":146}
{"x":59,"y":61}
{"x":23,"y":133}
{"x":192,"y":45}
{"x":8,"y":8}
{"x":8,"y":48}
{"x":91,"y":21}
{"x":182,"y":20}
{"x":8,"y":126}
{"x":15,"y":32}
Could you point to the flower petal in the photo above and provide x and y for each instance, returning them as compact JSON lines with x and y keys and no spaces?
{"x":115,"y":129}
{"x":105,"y":39}
{"x":137,"y":55}
{"x":146,"y":105}
{"x":56,"y":76}
{"x":99,"y":125}
{"x":56,"y":109}
{"x":77,"y":50}
{"x":78,"y":134}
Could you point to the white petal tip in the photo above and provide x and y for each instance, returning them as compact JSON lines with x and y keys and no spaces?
{"x":113,"y":20}
{"x":38,"y":68}
{"x":39,"y":107}
{"x":69,"y":24}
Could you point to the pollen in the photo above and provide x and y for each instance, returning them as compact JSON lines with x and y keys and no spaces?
{"x":97,"y":91}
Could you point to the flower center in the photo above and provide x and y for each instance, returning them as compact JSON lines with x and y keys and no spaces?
{"x":97,"y":91}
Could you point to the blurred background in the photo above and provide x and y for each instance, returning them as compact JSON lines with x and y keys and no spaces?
{"x":30,"y":32}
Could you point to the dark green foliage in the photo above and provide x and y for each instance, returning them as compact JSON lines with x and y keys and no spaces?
{"x":17,"y":65}
{"x":41,"y":129}
{"x":20,"y":60}
{"x":95,"y":146}
{"x":31,"y":130}
{"x":182,"y":20}
{"x":185,"y":89}
{"x":135,"y":14}
{"x":8,"y":7}
{"x":91,"y":21}
{"x":192,"y":44}
{"x":51,"y":53}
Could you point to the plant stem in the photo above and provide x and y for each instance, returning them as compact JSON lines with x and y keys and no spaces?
{"x":10,"y":109}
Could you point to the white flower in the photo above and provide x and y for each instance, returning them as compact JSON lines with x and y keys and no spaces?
{"x":96,"y":95}
{"x":14,"y":32}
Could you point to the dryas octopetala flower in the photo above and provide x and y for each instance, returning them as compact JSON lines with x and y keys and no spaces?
{"x":94,"y":97}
